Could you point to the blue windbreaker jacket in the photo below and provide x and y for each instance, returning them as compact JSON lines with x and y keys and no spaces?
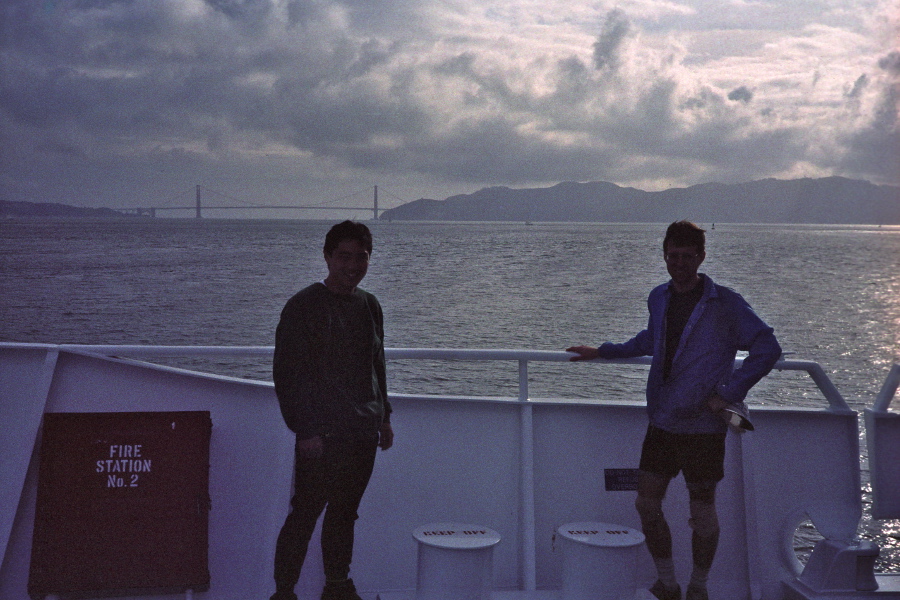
{"x":722,"y":323}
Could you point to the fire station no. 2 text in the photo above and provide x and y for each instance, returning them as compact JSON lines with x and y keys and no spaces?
{"x":124,"y":463}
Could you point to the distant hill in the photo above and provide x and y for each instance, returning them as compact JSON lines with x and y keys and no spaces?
{"x":47,"y":210}
{"x":830,"y":200}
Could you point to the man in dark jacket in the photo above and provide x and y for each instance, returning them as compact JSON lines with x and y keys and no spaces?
{"x":329,"y":373}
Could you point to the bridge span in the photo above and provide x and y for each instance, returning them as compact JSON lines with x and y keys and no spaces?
{"x":198,"y":207}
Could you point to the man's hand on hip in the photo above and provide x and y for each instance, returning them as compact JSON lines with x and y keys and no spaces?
{"x":385,"y":436}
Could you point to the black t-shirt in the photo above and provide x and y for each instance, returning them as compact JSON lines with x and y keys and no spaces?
{"x":677,"y":314}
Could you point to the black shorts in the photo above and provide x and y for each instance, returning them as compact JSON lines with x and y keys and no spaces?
{"x":700,"y":456}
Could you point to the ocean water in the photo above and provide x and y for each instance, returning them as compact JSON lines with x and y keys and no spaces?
{"x":832,"y":293}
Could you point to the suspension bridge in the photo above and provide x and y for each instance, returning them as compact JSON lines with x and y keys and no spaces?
{"x":202,"y":203}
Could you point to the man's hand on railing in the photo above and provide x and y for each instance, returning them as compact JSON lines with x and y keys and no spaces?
{"x":584,"y":353}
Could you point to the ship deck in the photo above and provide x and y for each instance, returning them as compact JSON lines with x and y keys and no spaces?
{"x":520,"y":466}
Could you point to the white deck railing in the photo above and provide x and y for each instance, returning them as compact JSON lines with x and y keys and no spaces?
{"x":888,"y":390}
{"x":522,"y":357}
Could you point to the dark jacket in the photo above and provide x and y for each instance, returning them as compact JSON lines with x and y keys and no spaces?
{"x":721,"y":324}
{"x":329,"y":367}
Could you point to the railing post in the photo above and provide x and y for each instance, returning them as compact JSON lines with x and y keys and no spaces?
{"x":529,"y":552}
{"x":835,"y":399}
{"x":886,"y":395}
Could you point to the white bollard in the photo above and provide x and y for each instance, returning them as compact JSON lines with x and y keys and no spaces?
{"x":598,"y":561}
{"x":455,"y":561}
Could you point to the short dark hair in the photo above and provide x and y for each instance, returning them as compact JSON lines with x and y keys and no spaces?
{"x":685,"y":233}
{"x":347,"y":230}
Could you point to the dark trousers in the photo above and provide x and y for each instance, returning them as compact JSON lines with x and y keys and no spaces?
{"x":337,"y":481}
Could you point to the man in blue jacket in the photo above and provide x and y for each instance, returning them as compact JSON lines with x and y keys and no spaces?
{"x":694,"y":331}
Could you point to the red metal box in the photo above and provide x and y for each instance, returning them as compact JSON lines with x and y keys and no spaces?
{"x":122,"y":504}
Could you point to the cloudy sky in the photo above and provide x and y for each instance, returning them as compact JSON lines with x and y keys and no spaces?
{"x":135,"y":102}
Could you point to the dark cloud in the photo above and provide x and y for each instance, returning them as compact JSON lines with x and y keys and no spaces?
{"x":890,"y":63}
{"x":741,"y":94}
{"x":874,"y":150}
{"x":574,"y":83}
{"x":858,"y":87}
{"x":462,"y":155}
{"x":105,"y":99}
{"x":704,"y":99}
{"x":608,"y":46}
{"x":302,"y":12}
{"x":461,"y":65}
{"x":241,"y":9}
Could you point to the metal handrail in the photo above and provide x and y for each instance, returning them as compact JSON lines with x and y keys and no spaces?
{"x":815,"y":371}
{"x":884,"y":397}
